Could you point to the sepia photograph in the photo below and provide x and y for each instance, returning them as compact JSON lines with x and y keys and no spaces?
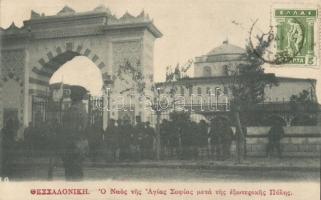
{"x":145,"y":99}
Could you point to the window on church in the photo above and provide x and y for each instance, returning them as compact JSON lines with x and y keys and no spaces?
{"x":226,"y":70}
{"x":190,"y":91}
{"x":199,"y":91}
{"x":208,"y":91}
{"x":225,"y":90}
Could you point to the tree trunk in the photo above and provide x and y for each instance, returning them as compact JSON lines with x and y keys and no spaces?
{"x":239,"y":138}
{"x":158,"y":144}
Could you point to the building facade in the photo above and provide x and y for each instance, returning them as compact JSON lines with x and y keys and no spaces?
{"x":207,"y":96}
{"x":32,"y":53}
{"x":208,"y":93}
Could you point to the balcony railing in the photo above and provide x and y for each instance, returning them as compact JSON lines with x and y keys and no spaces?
{"x":278,"y":106}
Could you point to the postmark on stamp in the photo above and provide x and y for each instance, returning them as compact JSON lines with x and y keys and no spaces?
{"x":295,"y":35}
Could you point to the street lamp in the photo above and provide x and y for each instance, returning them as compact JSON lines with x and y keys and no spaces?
{"x":108,"y":82}
{"x":217,"y":93}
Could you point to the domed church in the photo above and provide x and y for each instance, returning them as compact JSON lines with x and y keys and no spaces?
{"x":211,"y":72}
{"x":215,"y":62}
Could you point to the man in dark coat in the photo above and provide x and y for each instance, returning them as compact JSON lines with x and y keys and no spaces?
{"x":74,"y":126}
{"x":203,"y":134}
{"x":125,"y":131}
{"x":28,"y":137}
{"x":137,"y":139}
{"x":164,"y":135}
{"x":95,"y":136}
{"x":110,"y":138}
{"x":216,"y":134}
{"x":121,"y":140}
{"x":148,"y":141}
{"x":275,"y":135}
{"x":9,"y":133}
{"x":227,"y":137}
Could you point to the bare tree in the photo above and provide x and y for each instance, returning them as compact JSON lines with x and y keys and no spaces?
{"x":133,"y":80}
{"x":247,"y":82}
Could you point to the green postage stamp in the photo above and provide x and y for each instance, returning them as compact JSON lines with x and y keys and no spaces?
{"x":296,"y":35}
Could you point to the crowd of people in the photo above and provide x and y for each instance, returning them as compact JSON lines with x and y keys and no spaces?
{"x":73,"y":140}
{"x":180,"y":139}
{"x":185,"y":138}
{"x":122,"y":141}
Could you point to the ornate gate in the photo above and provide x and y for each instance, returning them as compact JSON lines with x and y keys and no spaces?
{"x":95,"y":111}
{"x":45,"y":110}
{"x":39,"y":109}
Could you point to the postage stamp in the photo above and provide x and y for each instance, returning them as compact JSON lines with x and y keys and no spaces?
{"x":296,"y":35}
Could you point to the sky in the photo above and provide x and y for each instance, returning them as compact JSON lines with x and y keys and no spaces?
{"x":190,"y":28}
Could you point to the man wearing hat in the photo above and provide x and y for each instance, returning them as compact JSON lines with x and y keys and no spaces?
{"x":275,"y":135}
{"x":73,"y":139}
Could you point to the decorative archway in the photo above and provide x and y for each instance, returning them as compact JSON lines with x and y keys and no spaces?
{"x":49,"y":64}
{"x":44,"y":43}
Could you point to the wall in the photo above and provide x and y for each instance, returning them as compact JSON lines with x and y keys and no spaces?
{"x":204,"y":98}
{"x":217,"y":68}
{"x":13,"y":80}
{"x":135,"y":46}
{"x":298,"y":141}
{"x":286,"y":89}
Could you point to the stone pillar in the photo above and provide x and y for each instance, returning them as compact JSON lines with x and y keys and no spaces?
{"x":106,"y":105}
{"x":26,"y":105}
{"x":106,"y":111}
{"x":106,"y":99}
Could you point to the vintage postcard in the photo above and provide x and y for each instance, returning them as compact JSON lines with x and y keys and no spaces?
{"x":171,"y":99}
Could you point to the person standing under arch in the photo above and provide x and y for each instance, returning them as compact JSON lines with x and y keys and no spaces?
{"x":74,"y":126}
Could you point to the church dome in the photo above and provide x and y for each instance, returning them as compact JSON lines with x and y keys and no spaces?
{"x":218,"y":61}
{"x":226,"y":48}
{"x":225,"y":52}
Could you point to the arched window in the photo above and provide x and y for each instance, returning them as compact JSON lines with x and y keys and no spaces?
{"x":226,"y":70}
{"x":207,"y":71}
{"x":182,"y":91}
{"x":190,"y":91}
{"x":199,"y":91}
{"x":208,"y":91}
{"x":225,"y":90}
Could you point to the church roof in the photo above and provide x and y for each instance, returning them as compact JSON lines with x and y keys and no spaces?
{"x":226,"y":48}
{"x":224,"y":53}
